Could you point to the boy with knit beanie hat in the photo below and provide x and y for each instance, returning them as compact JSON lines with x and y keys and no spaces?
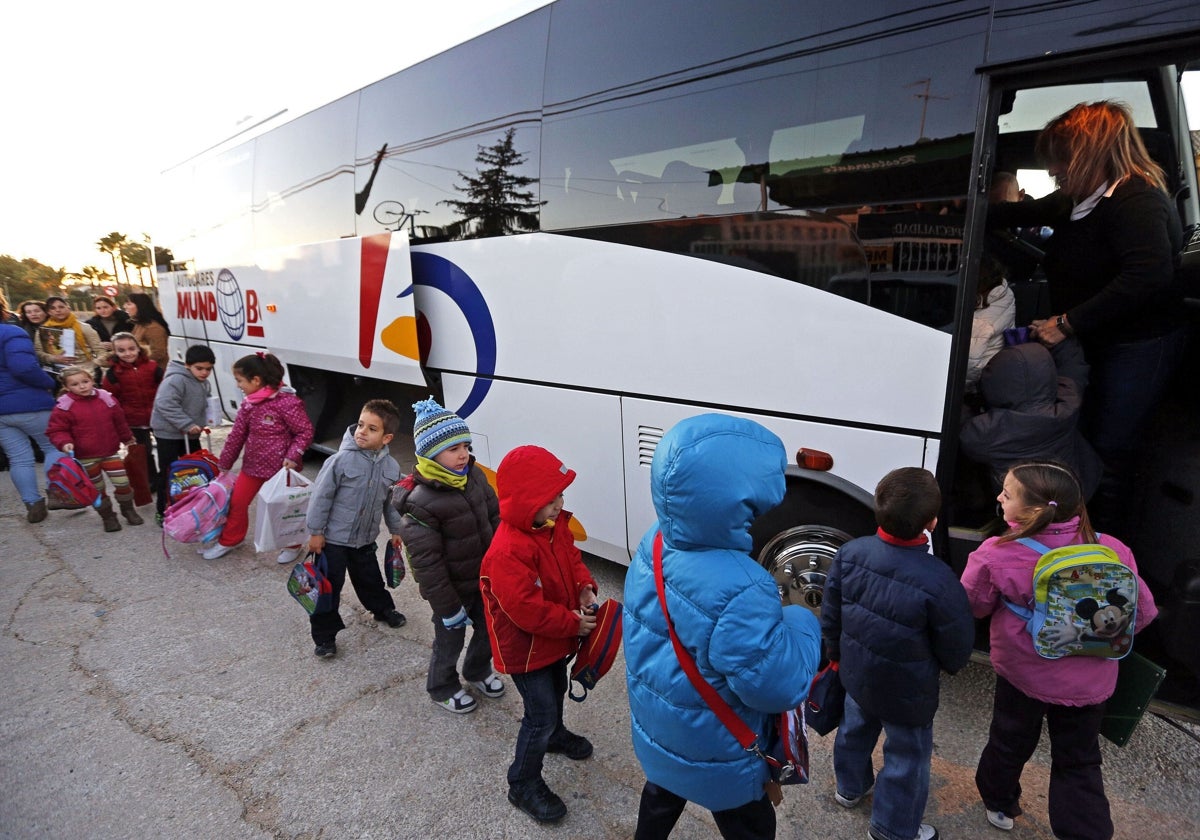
{"x":449,"y":513}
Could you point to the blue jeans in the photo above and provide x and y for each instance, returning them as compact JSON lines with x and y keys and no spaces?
{"x":15,"y":432}
{"x":543,"y":692}
{"x":902,"y":786}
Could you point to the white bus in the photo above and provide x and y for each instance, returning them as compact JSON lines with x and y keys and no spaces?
{"x":606,"y":216}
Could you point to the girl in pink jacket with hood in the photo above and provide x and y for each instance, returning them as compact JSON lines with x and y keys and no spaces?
{"x":1043,"y":500}
{"x":275,"y":430}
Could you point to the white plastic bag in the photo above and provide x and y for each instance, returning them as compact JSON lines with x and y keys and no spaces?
{"x":282,"y":507}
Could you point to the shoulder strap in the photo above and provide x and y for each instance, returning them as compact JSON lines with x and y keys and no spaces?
{"x":728,"y":716}
{"x":1030,"y":542}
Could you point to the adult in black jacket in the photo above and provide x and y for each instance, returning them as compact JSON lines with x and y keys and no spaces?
{"x":1111,"y":266}
{"x":108,"y":320}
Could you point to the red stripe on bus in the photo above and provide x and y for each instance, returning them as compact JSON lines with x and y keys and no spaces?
{"x":370,"y":282}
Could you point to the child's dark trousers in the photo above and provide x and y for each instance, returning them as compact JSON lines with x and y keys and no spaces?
{"x":442,"y":682}
{"x":543,"y":691}
{"x":365,"y":576}
{"x":1078,"y":806}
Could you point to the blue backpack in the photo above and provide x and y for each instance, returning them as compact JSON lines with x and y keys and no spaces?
{"x":1084,"y":602}
{"x":67,"y":482}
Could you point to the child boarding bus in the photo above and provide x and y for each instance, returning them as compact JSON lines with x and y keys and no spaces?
{"x":606,"y":216}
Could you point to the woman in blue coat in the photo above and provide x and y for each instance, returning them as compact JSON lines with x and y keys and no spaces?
{"x":25,"y":403}
{"x":711,"y":476}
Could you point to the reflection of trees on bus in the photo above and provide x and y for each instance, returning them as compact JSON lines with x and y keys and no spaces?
{"x":497,"y":201}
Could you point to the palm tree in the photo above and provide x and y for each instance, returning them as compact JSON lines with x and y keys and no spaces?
{"x":137,"y":255}
{"x":94,"y":275}
{"x":112,"y":245}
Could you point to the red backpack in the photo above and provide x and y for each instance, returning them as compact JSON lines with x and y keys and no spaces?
{"x":597,"y":650}
{"x":67,"y":482}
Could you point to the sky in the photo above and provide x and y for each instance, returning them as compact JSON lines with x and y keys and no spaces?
{"x":99,"y":98}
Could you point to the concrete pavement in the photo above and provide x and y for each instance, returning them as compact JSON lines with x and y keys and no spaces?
{"x":153,"y":696}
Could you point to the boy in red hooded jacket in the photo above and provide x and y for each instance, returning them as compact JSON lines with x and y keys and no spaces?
{"x":539,"y":599}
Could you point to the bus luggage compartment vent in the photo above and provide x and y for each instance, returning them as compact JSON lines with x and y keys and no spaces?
{"x":648,"y":440}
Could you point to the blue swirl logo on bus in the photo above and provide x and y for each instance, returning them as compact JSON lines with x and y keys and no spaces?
{"x":439,"y":273}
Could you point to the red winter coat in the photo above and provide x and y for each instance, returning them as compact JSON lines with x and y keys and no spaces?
{"x":531,"y":578}
{"x":95,"y":424}
{"x":271,"y":429}
{"x":134,"y":386}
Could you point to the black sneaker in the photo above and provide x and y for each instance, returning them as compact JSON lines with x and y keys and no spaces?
{"x":326,"y":649}
{"x":538,"y":801}
{"x":395,"y":618}
{"x":574,"y":747}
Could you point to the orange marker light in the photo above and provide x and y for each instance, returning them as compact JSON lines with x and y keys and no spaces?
{"x":814,"y":459}
{"x":270,"y":307}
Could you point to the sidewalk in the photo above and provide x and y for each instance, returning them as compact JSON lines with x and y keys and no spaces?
{"x":158,"y":697}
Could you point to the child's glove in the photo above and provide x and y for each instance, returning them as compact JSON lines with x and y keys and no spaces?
{"x":458,"y":621}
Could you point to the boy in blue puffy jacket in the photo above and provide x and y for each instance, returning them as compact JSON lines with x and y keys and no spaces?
{"x":711,"y":476}
{"x":894,"y":616}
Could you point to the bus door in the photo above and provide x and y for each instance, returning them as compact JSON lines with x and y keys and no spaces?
{"x":1165,"y":502}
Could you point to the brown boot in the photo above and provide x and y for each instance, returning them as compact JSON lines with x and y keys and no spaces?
{"x":36,"y":511}
{"x":128,"y":511}
{"x":108,"y":515}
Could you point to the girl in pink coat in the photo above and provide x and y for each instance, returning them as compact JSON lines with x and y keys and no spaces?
{"x":1043,"y":500}
{"x":274,"y":429}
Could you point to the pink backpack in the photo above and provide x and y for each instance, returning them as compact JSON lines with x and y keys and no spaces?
{"x":200,"y":513}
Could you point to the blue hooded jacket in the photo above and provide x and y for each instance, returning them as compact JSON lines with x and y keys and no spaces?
{"x":711,"y":476}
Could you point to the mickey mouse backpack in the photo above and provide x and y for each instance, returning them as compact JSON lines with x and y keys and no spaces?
{"x":1084,"y":602}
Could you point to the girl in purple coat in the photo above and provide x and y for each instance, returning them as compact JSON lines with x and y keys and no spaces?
{"x":1043,"y":500}
{"x":274,"y":429}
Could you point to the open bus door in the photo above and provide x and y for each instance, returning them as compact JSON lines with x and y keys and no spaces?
{"x":1166,"y":498}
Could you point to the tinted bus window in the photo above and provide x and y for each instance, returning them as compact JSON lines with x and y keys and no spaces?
{"x":421,"y":131}
{"x":870,"y":114}
{"x":304,"y":178}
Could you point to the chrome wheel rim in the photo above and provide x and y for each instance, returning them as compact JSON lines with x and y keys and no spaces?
{"x":799,"y":560}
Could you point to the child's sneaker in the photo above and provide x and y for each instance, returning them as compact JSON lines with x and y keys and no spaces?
{"x":217,"y":551}
{"x":325,"y":650}
{"x":851,"y":801}
{"x":394,"y":618}
{"x":574,"y":747}
{"x":490,"y":686}
{"x":925,"y":832}
{"x":1000,"y":820}
{"x":459,"y":704}
{"x":538,"y":801}
{"x":289,"y":554}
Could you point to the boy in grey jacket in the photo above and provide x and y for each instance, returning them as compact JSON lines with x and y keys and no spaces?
{"x":351,"y":490}
{"x":180,"y":409}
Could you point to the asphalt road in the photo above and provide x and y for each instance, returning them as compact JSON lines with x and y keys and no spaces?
{"x":148,"y":696}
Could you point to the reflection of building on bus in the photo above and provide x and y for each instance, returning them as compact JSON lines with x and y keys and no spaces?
{"x":686,"y":247}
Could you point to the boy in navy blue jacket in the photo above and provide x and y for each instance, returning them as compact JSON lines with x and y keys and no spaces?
{"x":894,"y":616}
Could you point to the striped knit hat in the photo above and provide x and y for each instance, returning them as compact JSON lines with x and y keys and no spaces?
{"x":437,"y":429}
